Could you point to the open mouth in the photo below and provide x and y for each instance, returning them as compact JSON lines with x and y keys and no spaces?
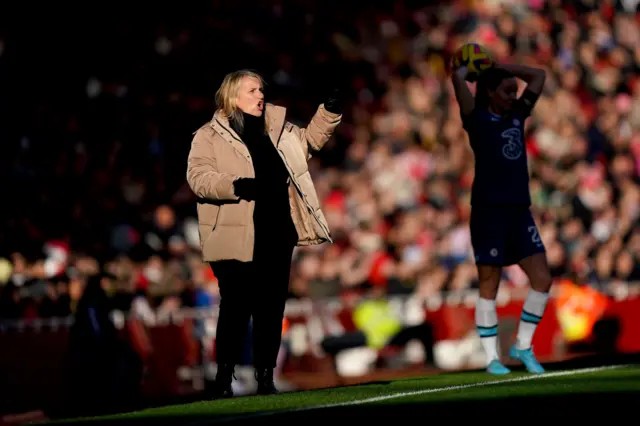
{"x":260,"y":105}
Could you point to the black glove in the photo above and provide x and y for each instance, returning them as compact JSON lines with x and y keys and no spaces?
{"x":335,"y":101}
{"x":245,"y":188}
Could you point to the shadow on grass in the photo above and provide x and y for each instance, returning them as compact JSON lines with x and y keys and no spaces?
{"x":579,"y":407}
{"x":584,"y":405}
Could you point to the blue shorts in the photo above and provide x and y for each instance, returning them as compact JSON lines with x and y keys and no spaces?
{"x":503,"y":236}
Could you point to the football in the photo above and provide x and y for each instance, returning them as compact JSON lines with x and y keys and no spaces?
{"x":475,"y":57}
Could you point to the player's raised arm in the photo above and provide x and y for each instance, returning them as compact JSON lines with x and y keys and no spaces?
{"x":535,"y":79}
{"x":462,"y":92}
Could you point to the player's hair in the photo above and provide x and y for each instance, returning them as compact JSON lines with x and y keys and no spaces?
{"x":489,"y":81}
{"x":227,"y":94}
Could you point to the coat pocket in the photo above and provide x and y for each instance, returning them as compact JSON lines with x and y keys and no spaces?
{"x":234,"y":214}
{"x":209,"y":214}
{"x":205,"y":233}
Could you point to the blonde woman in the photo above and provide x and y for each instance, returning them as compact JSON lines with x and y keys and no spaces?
{"x":248,"y":168}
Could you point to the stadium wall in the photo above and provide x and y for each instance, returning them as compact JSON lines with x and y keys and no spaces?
{"x":33,"y":354}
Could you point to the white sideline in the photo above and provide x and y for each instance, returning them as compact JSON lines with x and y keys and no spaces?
{"x":413,"y":393}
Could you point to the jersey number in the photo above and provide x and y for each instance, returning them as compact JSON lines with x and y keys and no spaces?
{"x":535,"y":236}
{"x":512,"y":149}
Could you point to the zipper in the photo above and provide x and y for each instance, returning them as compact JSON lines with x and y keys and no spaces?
{"x":249,"y":159}
{"x":295,"y":183}
{"x":230,"y":133}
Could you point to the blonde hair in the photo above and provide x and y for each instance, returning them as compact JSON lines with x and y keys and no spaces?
{"x":228,"y":93}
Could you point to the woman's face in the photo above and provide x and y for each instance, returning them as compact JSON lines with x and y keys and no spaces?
{"x":250,"y":98}
{"x":506,"y":94}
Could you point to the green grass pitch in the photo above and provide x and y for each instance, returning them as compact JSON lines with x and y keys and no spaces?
{"x":581,"y":393}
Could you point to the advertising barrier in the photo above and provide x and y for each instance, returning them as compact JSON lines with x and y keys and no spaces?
{"x":33,"y":355}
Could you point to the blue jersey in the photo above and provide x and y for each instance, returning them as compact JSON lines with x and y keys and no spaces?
{"x":501,"y":169}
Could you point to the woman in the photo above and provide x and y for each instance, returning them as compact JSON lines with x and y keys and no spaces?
{"x":503,"y":229}
{"x":256,"y":202}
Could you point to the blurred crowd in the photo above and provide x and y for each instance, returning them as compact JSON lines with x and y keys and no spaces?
{"x":102,"y":112}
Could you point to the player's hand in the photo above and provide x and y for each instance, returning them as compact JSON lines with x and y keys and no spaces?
{"x":462,"y":72}
{"x":473,"y":56}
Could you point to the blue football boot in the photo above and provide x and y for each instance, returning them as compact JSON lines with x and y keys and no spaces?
{"x":526,"y":357}
{"x":496,"y":367}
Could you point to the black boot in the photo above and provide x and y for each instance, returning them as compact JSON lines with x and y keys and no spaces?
{"x":264,"y":377}
{"x":222,"y":386}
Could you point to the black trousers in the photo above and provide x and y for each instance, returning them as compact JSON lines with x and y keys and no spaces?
{"x":253,"y":290}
